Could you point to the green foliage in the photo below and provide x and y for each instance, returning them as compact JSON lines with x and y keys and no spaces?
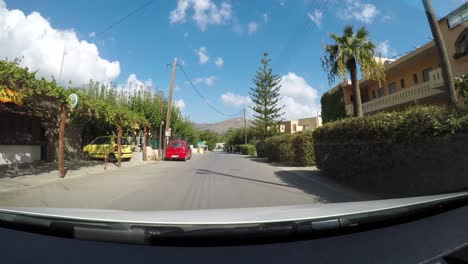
{"x":461,"y":84}
{"x":296,"y":149}
{"x":303,"y":149}
{"x":349,"y":49}
{"x":235,"y":137}
{"x":248,"y":149}
{"x":418,"y":151}
{"x":333,"y":106}
{"x":210,"y":137}
{"x":265,"y":96}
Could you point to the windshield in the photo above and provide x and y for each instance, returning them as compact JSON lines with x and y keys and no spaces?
{"x":223,"y":104}
{"x":175,"y":144}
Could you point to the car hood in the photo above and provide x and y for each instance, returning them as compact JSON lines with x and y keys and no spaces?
{"x":234,"y":215}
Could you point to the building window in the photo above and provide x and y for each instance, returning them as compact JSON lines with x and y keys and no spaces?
{"x":461,"y":45}
{"x":457,"y":18}
{"x":392,"y":88}
{"x":381,"y":92}
{"x":282,"y":128}
{"x":373,"y":94}
{"x":294,"y":127}
{"x":415,"y":78}
{"x":426,"y":72}
{"x":351,"y":98}
{"x":402,"y":83}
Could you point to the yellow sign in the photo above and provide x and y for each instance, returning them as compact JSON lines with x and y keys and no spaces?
{"x":10,"y":96}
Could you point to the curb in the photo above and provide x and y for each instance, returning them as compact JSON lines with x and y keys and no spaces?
{"x":72,"y":176}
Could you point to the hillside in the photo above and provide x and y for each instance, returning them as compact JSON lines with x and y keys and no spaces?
{"x":223,"y":126}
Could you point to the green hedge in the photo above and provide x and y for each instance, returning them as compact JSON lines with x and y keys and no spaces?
{"x":422,"y":150}
{"x":296,"y":149}
{"x":248,"y":149}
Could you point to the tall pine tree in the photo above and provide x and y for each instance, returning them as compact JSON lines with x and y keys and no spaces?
{"x":265,"y":95}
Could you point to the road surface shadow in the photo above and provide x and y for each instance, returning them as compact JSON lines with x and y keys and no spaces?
{"x":35,"y":168}
{"x":201,"y":171}
{"x":310,"y":181}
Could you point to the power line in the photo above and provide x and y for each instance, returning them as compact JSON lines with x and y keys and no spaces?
{"x":203,"y":98}
{"x":124,"y":18}
{"x":120,"y":21}
{"x":298,"y":38}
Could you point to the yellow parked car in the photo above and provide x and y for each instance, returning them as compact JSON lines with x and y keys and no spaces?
{"x":98,"y":147}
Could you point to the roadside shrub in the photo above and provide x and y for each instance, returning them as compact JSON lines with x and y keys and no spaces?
{"x":303,"y":149}
{"x":248,"y":149}
{"x":296,"y":149}
{"x":422,"y":150}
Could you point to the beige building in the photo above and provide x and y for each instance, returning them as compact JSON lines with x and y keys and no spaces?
{"x":303,"y":124}
{"x":290,"y":127}
{"x":311,"y":123}
{"x":416,"y":77}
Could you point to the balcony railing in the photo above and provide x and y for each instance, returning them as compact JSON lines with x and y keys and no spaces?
{"x":413,"y":93}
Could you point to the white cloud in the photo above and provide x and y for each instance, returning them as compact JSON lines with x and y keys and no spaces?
{"x":92,"y":34}
{"x":383,"y":48}
{"x":177,"y":88}
{"x":299,"y":98}
{"x":202,"y":55}
{"x":282,"y":2}
{"x":252,"y":27}
{"x":356,"y":9}
{"x":265,"y":18}
{"x":180,"y":104}
{"x":219,"y":62}
{"x":41,"y":46}
{"x":205,"y":13}
{"x":235,"y":99}
{"x":135,"y":85}
{"x":316,"y":17}
{"x":186,"y":35}
{"x":386,"y":18}
{"x":209,"y":81}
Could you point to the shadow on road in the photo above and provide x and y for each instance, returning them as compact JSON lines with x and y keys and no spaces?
{"x":201,"y":171}
{"x":310,"y":181}
{"x":18,"y":170}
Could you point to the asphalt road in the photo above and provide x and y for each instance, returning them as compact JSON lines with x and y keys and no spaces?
{"x":209,"y":181}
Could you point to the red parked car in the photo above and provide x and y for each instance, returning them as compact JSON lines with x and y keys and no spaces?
{"x":178,"y":149}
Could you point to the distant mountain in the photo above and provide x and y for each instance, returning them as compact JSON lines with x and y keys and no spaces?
{"x":223,"y":126}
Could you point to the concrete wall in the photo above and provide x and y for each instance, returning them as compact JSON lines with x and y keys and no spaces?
{"x":19,"y":153}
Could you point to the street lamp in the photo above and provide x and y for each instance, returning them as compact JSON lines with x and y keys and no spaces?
{"x":160,"y":139}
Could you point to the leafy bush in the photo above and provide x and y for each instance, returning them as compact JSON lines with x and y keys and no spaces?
{"x":303,"y":149}
{"x":422,"y":150}
{"x":248,"y":149}
{"x":296,"y":149}
{"x":333,"y":106}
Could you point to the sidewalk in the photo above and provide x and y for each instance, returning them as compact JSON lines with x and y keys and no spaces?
{"x":27,"y":175}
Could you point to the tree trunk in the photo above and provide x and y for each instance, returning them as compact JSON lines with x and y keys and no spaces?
{"x":144,"y":143}
{"x":61,"y":143}
{"x":357,"y":105}
{"x":119,"y":147}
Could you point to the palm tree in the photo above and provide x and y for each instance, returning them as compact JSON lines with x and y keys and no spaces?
{"x":345,"y":54}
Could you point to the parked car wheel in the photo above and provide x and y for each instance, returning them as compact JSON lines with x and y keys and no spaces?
{"x":112,"y":158}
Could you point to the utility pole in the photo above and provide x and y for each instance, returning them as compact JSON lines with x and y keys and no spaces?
{"x":245,"y":128}
{"x":169,"y":100}
{"x":447,"y":73}
{"x":161,"y":122}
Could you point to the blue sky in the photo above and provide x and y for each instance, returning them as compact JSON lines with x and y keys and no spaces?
{"x":219,"y":43}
